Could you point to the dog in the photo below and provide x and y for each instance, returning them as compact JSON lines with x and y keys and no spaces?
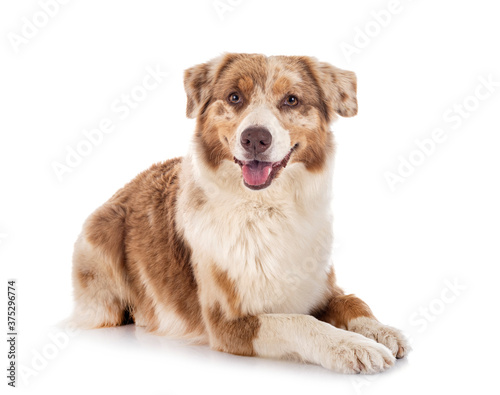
{"x":230,"y":245}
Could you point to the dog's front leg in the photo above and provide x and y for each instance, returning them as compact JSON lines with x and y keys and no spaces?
{"x":351,"y":313}
{"x":232,"y":329}
{"x":295,"y":336}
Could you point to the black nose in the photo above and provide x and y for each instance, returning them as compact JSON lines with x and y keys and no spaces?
{"x":256,"y":139}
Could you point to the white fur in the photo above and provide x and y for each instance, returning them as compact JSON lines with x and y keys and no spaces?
{"x":98,"y":307}
{"x":390,"y":337}
{"x":306,"y":338}
{"x":274,"y":243}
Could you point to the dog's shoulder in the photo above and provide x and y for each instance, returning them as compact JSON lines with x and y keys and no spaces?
{"x":158,"y":178}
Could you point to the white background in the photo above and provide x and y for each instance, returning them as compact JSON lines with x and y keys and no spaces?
{"x":398,"y":250}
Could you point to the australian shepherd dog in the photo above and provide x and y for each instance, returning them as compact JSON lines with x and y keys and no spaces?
{"x":230,"y":245}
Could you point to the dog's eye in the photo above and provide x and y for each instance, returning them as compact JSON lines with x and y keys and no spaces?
{"x":234,"y":98}
{"x":291,"y":101}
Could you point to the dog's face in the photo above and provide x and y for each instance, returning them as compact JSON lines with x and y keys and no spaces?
{"x":265,"y":112}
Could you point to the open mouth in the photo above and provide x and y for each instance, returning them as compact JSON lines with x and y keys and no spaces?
{"x":258,"y":174}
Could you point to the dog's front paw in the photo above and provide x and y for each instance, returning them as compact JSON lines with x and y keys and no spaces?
{"x":357,"y":354}
{"x":390,"y":337}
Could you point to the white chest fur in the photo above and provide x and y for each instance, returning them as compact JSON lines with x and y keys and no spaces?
{"x":274,"y":244}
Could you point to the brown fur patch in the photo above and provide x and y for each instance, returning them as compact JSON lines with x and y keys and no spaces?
{"x":108,"y":217}
{"x":314,"y":147}
{"x":195,"y":82}
{"x":85,"y":277}
{"x":281,"y":86}
{"x":210,"y":144}
{"x":143,"y":241}
{"x":235,"y":68}
{"x":339,"y":308}
{"x":245,"y":84}
{"x":232,"y":335}
{"x":154,"y":242}
{"x":228,"y":287}
{"x":344,"y":308}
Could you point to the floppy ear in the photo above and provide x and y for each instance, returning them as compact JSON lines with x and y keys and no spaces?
{"x":197,"y":83}
{"x":339,"y":87}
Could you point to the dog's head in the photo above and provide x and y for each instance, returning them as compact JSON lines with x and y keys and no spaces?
{"x":266,"y":112}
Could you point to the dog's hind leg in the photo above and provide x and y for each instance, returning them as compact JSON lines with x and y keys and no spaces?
{"x":99,"y":279}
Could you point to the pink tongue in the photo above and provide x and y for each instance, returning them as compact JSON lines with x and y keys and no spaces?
{"x":256,"y":173}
